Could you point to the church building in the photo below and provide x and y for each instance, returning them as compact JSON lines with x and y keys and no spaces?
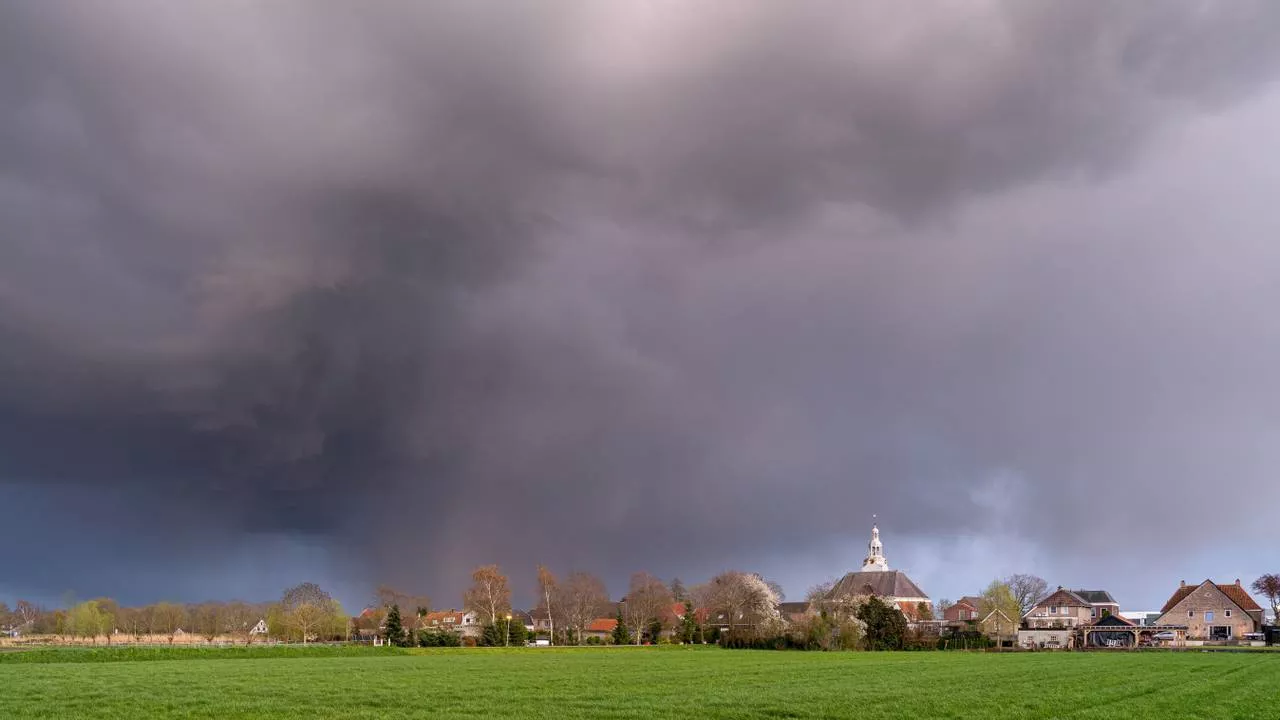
{"x":876,"y":578}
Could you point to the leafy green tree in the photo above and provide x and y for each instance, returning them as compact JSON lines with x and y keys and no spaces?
{"x":86,"y":620}
{"x":394,"y":633}
{"x":999,"y":598}
{"x":621,"y":636}
{"x":885,"y":624}
{"x":923,"y":611}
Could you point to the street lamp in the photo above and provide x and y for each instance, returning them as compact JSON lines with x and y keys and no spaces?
{"x":507,"y":640}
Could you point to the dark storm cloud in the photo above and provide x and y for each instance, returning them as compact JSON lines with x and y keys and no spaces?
{"x":608,"y":286}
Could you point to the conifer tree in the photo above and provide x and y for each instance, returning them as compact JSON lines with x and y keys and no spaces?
{"x":395,"y":630}
{"x":621,"y":636}
{"x":688,"y":624}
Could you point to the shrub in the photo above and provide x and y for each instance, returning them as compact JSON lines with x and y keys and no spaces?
{"x":442,"y":638}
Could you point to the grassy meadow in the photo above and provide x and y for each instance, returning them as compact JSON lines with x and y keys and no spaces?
{"x":632,"y":683}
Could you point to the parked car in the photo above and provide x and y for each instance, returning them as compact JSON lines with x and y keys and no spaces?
{"x":1165,"y":635}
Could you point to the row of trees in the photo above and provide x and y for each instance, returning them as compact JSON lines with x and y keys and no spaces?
{"x":567,"y":607}
{"x":1014,"y":595}
{"x":304,"y":613}
{"x":744,"y":601}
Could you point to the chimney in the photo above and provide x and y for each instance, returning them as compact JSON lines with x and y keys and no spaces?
{"x":1183,"y":584}
{"x":1237,"y":581}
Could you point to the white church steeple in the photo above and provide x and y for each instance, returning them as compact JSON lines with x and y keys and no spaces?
{"x":875,"y":561}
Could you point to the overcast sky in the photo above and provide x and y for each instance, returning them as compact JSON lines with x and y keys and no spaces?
{"x":363,"y":292}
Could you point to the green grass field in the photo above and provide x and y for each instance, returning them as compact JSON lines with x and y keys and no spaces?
{"x":633,"y":683}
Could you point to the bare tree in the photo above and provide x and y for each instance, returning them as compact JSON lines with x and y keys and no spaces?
{"x":306,"y":619}
{"x":1268,"y":586}
{"x":1027,"y":591}
{"x":819,"y":597}
{"x":386,"y":596}
{"x":489,"y":595}
{"x":647,"y":598}
{"x":238,"y":620}
{"x":307,"y":592}
{"x":167,"y":618}
{"x":413,"y":608}
{"x":207,"y":619}
{"x":547,"y":591}
{"x":133,"y":622}
{"x":309,"y":611}
{"x":26,"y":613}
{"x":581,"y":599}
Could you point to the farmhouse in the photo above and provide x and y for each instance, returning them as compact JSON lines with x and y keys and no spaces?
{"x":1212,"y":612}
{"x":876,"y":578}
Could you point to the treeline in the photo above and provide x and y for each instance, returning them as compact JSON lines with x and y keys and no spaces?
{"x":652,"y":610}
{"x":305,"y":613}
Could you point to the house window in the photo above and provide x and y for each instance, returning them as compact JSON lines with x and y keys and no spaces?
{"x":1227,"y":613}
{"x":1191,"y":613}
{"x":1093,"y":612}
{"x":1208,"y":616}
{"x":1053,"y":610}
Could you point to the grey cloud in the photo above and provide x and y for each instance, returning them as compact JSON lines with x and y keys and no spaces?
{"x":656,"y":288}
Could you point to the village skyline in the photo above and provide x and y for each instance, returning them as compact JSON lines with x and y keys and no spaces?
{"x":526,"y":597}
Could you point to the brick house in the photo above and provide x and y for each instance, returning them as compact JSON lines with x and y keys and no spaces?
{"x":1101,"y":603}
{"x":1062,"y":609}
{"x":964,"y":610}
{"x":1212,"y":611}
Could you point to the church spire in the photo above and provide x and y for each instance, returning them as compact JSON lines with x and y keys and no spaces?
{"x":875,"y":561}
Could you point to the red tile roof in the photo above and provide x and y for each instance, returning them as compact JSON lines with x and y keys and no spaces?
{"x":602,"y":625}
{"x":441,"y":618}
{"x":1235,"y":592}
{"x":1239,"y":596}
